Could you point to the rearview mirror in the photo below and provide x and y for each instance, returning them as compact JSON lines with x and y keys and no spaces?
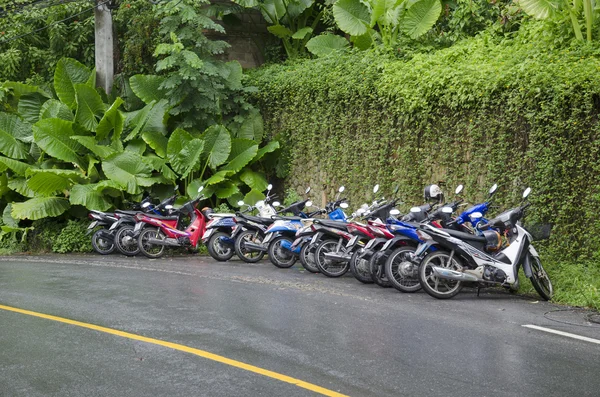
{"x":168,"y":207}
{"x":341,"y":189}
{"x":394,"y":212}
{"x":459,"y":189}
{"x":344,"y":205}
{"x":240,"y":203}
{"x":201,"y":188}
{"x":309,"y":203}
{"x":476,"y":215}
{"x":376,"y":188}
{"x":276,"y":203}
{"x":307,"y":190}
{"x":415,"y":209}
{"x":526,"y":192}
{"x":146,"y":204}
{"x":447,"y":210}
{"x":493,"y":188}
{"x":269,"y":186}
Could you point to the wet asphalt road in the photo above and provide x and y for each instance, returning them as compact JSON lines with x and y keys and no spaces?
{"x":336,"y":333}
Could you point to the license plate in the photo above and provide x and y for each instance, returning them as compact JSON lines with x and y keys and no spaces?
{"x":93,"y":225}
{"x":420,"y":249}
{"x":267,"y":238}
{"x":370,"y":244}
{"x":314,"y":239}
{"x":207,"y":234}
{"x":138,"y":227}
{"x":114,"y":226}
{"x":352,"y":242}
{"x":386,"y":245}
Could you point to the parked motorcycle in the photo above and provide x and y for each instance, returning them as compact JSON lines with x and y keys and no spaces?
{"x":491,"y":258}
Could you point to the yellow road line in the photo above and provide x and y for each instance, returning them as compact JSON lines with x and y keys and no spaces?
{"x":191,"y":350}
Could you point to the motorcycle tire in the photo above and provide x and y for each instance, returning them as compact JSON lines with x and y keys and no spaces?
{"x":242,"y":253}
{"x":437,"y":287}
{"x":279,"y":256}
{"x":327,"y":267}
{"x":399,"y":269}
{"x":378,"y":270}
{"x":152,"y":251}
{"x":360,"y":268}
{"x":307,"y":258}
{"x":125,"y":242}
{"x":219,"y":250}
{"x":101,"y":245}
{"x":539,"y":278}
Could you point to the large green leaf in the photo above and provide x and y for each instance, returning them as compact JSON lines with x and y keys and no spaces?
{"x":90,"y":143}
{"x":74,"y":175}
{"x":252,"y":128}
{"x":112,"y":120}
{"x":273,"y":10}
{"x":268,"y":148}
{"x":242,"y":152}
{"x":151,"y":118}
{"x":420,"y":17}
{"x":280,"y":31}
{"x":53,"y":136}
{"x":226,"y":189}
{"x":126,"y":169}
{"x":91,"y":196}
{"x":40,"y":207}
{"x":48,"y":183}
{"x":9,"y":145}
{"x":20,"y":186}
{"x":192,"y":188}
{"x":326,"y":44}
{"x":302,"y":33}
{"x":157,"y":141}
{"x":253,"y":197}
{"x":55,"y":109}
{"x":234,"y":77}
{"x":90,"y":107}
{"x":256,"y":180}
{"x":13,"y":125}
{"x":146,"y":88}
{"x":351,"y":16}
{"x":69,"y":72}
{"x":217,"y":177}
{"x":3,"y":184}
{"x":217,"y":145}
{"x":184,"y":151}
{"x":540,"y":9}
{"x":297,"y":7}
{"x":17,"y":167}
{"x":7,"y":218}
{"x":30,"y":105}
{"x":137,"y":146}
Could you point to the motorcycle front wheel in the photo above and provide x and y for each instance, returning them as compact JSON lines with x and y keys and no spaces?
{"x":281,"y":257}
{"x":401,"y":271}
{"x":244,"y":254}
{"x":360,"y":268}
{"x":125,"y":242}
{"x":377,"y":270}
{"x":307,"y":258}
{"x":539,"y":278}
{"x":102,"y":245}
{"x":326,"y":266}
{"x":435,"y":286}
{"x":218,"y":249}
{"x":147,"y":248}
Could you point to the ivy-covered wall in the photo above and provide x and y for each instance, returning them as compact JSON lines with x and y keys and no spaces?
{"x":478,"y":113}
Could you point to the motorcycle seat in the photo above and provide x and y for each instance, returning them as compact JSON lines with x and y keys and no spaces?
{"x":163,"y":217}
{"x":126,"y":212}
{"x":257,"y":219}
{"x":330,"y":223}
{"x":286,"y":218}
{"x":465,"y":236}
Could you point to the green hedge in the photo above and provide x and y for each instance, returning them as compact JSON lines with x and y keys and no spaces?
{"x":516,"y":113}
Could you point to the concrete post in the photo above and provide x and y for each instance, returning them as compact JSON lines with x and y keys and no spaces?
{"x":105,"y":68}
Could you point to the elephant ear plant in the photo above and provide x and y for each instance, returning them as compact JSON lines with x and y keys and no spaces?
{"x":370,"y":22}
{"x":73,"y":149}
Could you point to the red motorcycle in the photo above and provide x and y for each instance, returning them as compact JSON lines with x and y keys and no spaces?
{"x":165,"y":231}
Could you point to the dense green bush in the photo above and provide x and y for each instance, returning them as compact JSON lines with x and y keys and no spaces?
{"x":516,"y":113}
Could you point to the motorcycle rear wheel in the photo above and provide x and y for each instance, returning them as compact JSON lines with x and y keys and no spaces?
{"x":360,"y":268}
{"x":101,"y":245}
{"x":377,"y":270}
{"x":246,"y":255}
{"x":397,"y":267}
{"x":326,"y":266}
{"x":540,"y":280}
{"x":125,"y":242}
{"x":435,"y":286}
{"x":307,"y":258}
{"x":279,"y":256}
{"x":152,"y":251}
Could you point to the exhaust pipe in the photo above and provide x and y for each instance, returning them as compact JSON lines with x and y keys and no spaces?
{"x":106,"y":235}
{"x":254,"y":247}
{"x":337,"y":257}
{"x":450,"y":274}
{"x":168,"y":241}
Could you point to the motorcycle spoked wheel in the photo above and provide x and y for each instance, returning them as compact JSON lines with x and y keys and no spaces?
{"x":307,"y":258}
{"x":377,"y":270}
{"x":218,"y":249}
{"x":279,"y":256}
{"x":360,"y":268}
{"x":437,"y":287}
{"x":101,"y":245}
{"x":150,"y":250}
{"x":328,"y":267}
{"x":125,"y":242}
{"x":539,"y":278}
{"x":401,"y":271}
{"x":246,"y":255}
